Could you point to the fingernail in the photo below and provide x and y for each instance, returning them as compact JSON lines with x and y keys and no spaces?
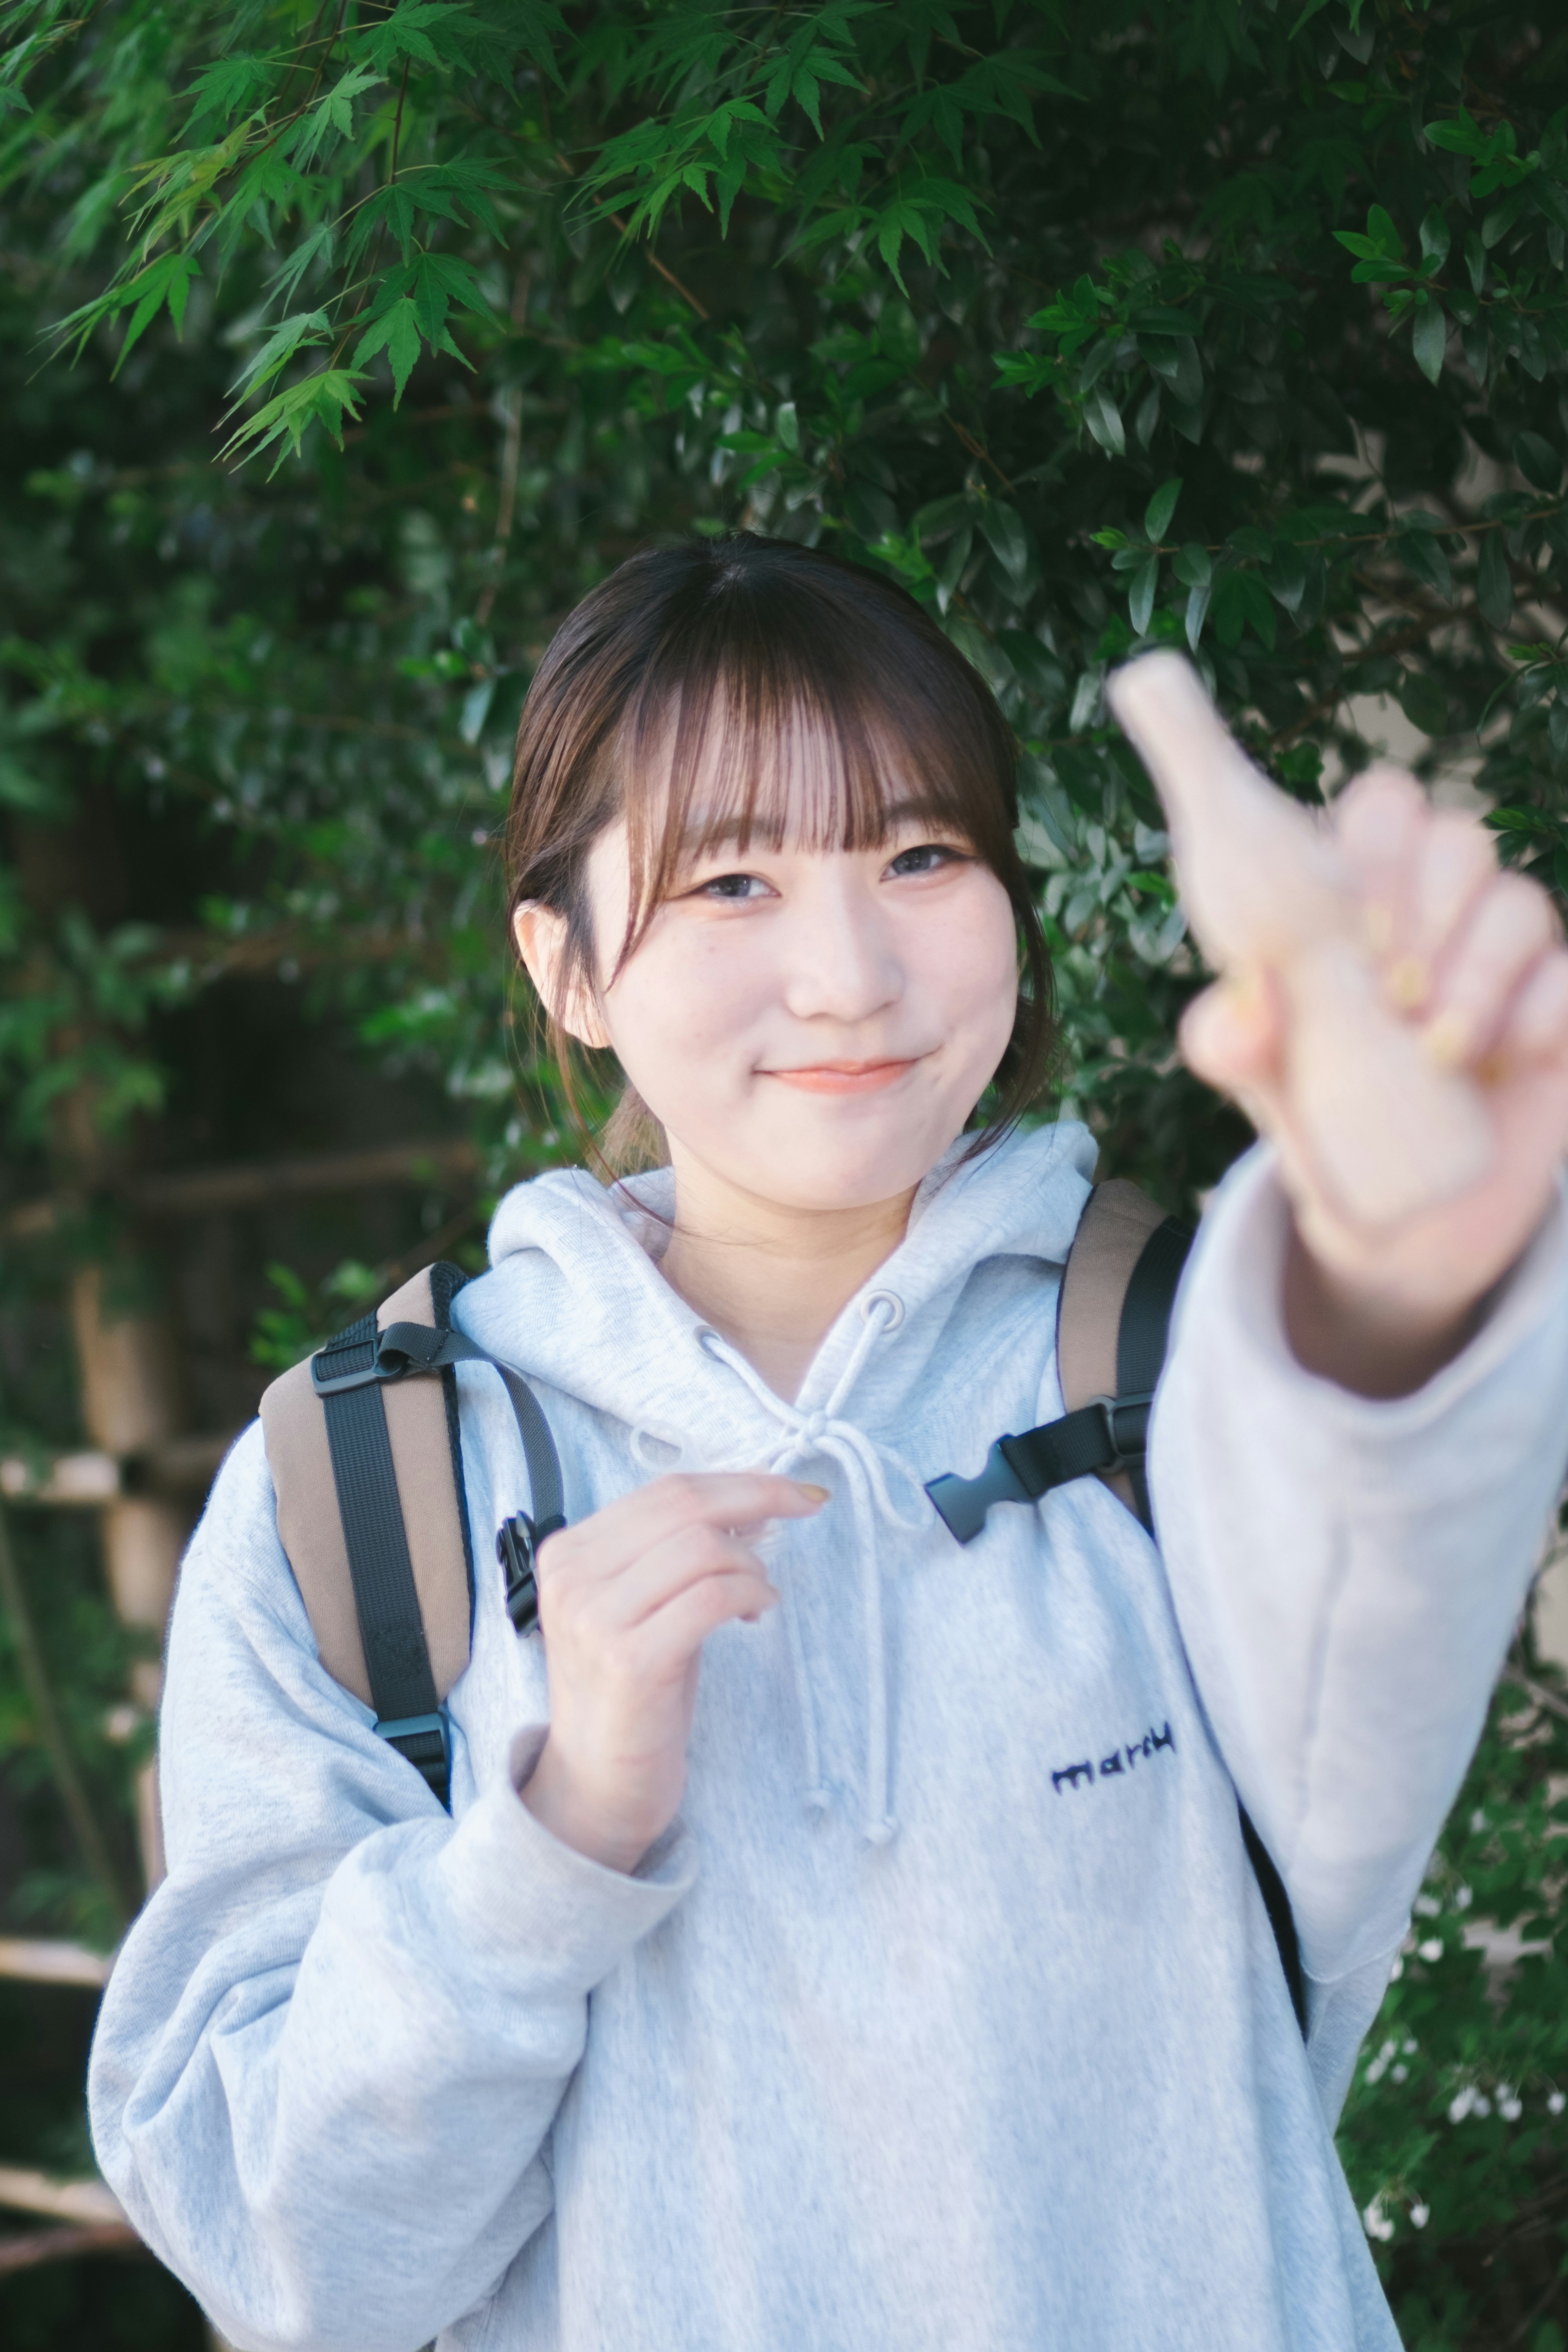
{"x":1407,"y":982}
{"x":1447,"y":1039}
{"x":817,"y":1494}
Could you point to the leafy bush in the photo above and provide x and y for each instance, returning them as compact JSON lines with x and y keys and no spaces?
{"x":1203,"y":322}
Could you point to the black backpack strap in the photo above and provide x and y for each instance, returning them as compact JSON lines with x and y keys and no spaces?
{"x":348,"y":1376}
{"x":1107,"y":1434}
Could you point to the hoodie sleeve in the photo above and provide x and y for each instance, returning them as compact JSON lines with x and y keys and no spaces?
{"x":334,"y":2043}
{"x":1347,"y":1573}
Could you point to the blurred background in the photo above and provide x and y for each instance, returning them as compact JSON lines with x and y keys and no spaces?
{"x":341,"y":353}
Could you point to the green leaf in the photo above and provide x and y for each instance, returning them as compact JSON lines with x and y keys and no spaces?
{"x":1103,"y":419}
{"x":1494,"y":582}
{"x":1460,"y":137}
{"x":1423,"y":554}
{"x":396,"y":332}
{"x":1536,"y":460}
{"x":322,"y":399}
{"x":1194,"y":567}
{"x":333,"y":113}
{"x":1197,"y":612}
{"x":1424,"y":702}
{"x":1384,"y":235}
{"x":1004,"y":533}
{"x":1161,"y":508}
{"x":300,"y":332}
{"x":1141,"y":595}
{"x":1430,"y":337}
{"x":1435,"y":238}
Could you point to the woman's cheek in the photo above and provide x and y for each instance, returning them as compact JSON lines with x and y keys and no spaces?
{"x":671,"y":1019}
{"x":973,"y":969}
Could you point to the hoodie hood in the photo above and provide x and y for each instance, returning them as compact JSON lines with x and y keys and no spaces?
{"x":576,"y":1300}
{"x":574,"y":1266}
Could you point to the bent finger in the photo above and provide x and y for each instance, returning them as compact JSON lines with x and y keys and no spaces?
{"x":1536,"y":1029}
{"x":1378,"y":821}
{"x":623,"y":1530}
{"x":1509,"y":928}
{"x":663,"y":1647}
{"x":1453,"y":869}
{"x":612,"y":1605}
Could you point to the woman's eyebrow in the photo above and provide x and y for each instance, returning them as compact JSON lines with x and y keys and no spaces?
{"x":701,"y":840}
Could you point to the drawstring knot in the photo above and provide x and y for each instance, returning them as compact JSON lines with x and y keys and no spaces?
{"x":825,"y":1432}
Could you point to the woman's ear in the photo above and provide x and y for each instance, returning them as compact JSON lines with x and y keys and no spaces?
{"x":541,"y":933}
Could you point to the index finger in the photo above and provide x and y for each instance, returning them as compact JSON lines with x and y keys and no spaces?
{"x":623,"y":1530}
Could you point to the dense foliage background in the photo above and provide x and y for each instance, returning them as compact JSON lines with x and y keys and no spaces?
{"x":345,"y":346}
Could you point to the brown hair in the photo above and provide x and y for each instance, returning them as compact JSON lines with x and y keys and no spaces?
{"x":752,"y":665}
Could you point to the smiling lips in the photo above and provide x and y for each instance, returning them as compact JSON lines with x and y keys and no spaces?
{"x":841,"y":1077}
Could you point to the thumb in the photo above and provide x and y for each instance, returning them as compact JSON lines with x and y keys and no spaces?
{"x":1232,"y":1036}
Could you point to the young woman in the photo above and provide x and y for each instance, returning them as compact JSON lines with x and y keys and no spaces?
{"x":820,"y":2002}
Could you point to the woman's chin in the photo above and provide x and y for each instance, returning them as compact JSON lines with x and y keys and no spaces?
{"x":832,"y":1154}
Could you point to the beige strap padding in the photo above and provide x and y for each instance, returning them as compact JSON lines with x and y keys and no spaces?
{"x":294,"y":1425}
{"x":1117,"y":1220}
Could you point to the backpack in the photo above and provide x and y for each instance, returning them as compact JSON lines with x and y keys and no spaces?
{"x":364,"y":1443}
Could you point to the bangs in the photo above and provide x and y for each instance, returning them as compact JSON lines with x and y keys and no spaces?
{"x":797,"y":724}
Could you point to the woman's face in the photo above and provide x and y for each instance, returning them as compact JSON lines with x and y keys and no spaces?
{"x":813,"y":1026}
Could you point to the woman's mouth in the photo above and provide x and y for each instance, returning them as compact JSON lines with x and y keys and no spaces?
{"x":841,"y":1077}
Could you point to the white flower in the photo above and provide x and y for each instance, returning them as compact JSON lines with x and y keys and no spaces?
{"x":1510,"y":2109}
{"x":1432,"y":1950}
{"x":1555,"y":2104}
{"x":1463,"y":1898}
{"x":1460,"y":2104}
{"x":1397,"y":1970}
{"x":1480,"y":2104}
{"x":1401,"y":2073}
{"x":1378,"y":2067}
{"x":1426,"y":1906}
{"x":1408,"y":2047}
{"x":1478,"y":1823}
{"x":1378,"y":2223}
{"x":1420,"y":2215}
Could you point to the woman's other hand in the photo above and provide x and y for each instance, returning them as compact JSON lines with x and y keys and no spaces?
{"x":1471,"y":958}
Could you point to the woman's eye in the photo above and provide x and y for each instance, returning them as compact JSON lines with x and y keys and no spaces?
{"x":926,"y":857}
{"x":732,"y":886}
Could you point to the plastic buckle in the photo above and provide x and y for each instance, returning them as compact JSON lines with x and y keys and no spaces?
{"x":518,"y":1542}
{"x":516,"y":1547}
{"x":961,"y":1504}
{"x":392,"y":1366}
{"x":435,"y":1771}
{"x":1126,"y":1451}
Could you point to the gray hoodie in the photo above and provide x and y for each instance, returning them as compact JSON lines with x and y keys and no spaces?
{"x":948,"y":2015}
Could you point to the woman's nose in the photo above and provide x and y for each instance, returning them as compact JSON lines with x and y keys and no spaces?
{"x":840,"y":963}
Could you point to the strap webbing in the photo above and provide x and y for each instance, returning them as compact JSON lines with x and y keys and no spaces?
{"x":1145,"y":1329}
{"x":386,"y":1599}
{"x":348,"y":1374}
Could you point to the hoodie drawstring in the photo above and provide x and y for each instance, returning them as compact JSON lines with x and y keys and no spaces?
{"x":862,"y":1462}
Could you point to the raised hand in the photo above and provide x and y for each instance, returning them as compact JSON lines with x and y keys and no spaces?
{"x":627,"y":1598}
{"x":1393,"y":1013}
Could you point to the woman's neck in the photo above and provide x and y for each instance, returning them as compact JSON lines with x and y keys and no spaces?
{"x":771,"y":1279}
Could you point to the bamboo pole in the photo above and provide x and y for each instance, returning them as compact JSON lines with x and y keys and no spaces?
{"x":132,"y":1404}
{"x":249,"y":1185}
